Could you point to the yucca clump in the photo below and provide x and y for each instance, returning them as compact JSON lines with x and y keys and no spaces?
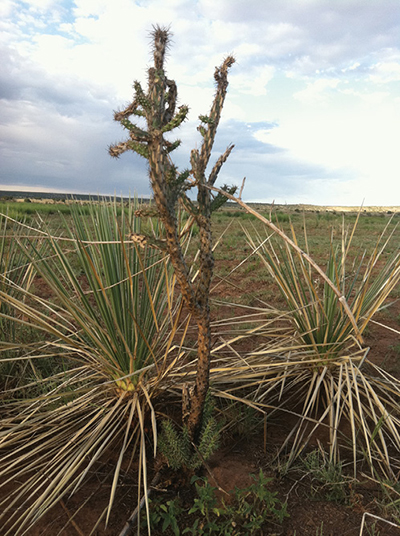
{"x":157,"y":108}
{"x":321,"y":368}
{"x":109,"y":335}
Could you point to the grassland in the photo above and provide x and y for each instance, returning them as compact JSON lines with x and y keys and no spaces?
{"x":241,"y":284}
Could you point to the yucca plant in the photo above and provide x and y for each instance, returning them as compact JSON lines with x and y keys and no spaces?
{"x":110,"y":332}
{"x":324,"y":367}
{"x":320,"y":319}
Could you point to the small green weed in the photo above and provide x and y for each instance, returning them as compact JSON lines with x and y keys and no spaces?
{"x":373,"y":530}
{"x":389,"y":502}
{"x":166,"y":515}
{"x":247,"y":513}
{"x":395,"y":348}
{"x":327,"y":477}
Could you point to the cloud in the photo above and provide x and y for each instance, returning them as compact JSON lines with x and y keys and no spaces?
{"x":316,"y":91}
{"x":384,"y":72}
{"x":271,"y":172}
{"x":312,"y":105}
{"x":55,"y":132}
{"x":355,"y":141}
{"x":255,"y":81}
{"x":326,"y":33}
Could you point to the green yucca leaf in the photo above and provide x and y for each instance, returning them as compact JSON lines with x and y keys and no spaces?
{"x":111,"y":321}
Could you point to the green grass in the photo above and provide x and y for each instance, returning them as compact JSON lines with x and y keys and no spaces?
{"x":23,"y":208}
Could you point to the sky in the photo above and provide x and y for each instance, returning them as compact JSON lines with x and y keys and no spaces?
{"x":313,"y":104}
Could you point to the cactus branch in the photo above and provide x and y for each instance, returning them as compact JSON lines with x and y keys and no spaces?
{"x":220,"y":162}
{"x":221,"y":78}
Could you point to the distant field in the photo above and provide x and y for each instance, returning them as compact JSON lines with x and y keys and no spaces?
{"x":54,"y":197}
{"x":60,"y":199}
{"x":326,"y":208}
{"x":246,"y":273}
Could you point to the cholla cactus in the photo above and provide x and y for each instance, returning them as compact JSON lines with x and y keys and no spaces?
{"x":158,"y":108}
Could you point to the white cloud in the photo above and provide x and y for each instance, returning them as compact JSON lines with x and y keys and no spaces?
{"x":253,"y":82}
{"x":325,"y":72}
{"x":41,"y":5}
{"x":88,"y":8}
{"x":6,"y":8}
{"x":353,"y":66}
{"x":369,"y":97}
{"x":316,"y":91}
{"x":362,"y":144}
{"x":385,"y":72}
